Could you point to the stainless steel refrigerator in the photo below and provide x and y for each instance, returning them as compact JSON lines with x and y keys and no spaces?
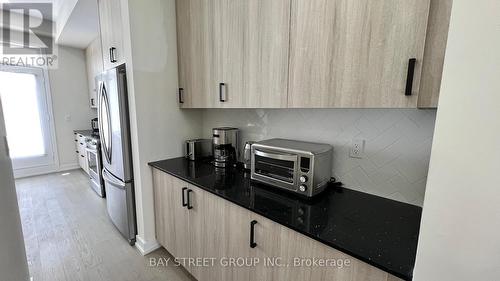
{"x":117,"y":169}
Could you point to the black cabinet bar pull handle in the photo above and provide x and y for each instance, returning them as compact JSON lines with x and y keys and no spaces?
{"x":184,"y":204}
{"x":189,"y":200}
{"x":112,"y":54}
{"x":222,"y":92}
{"x":181,"y":95}
{"x":252,"y":234}
{"x":409,"y":78}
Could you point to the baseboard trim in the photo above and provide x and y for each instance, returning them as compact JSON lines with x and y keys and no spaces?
{"x":146,"y":247}
{"x":44,"y":170}
{"x":68,"y":167}
{"x":35,"y":171}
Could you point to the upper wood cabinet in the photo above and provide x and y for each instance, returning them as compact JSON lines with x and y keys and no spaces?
{"x":111,"y":24}
{"x":253,"y":41}
{"x":93,"y":56}
{"x":197,"y":53}
{"x":355,"y":53}
{"x":435,"y":49}
{"x":311,"y":53}
{"x":233,"y":54}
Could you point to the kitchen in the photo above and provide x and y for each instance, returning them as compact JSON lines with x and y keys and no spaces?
{"x":265,"y":140}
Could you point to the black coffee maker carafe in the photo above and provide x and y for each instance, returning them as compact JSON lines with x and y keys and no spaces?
{"x":95,"y":126}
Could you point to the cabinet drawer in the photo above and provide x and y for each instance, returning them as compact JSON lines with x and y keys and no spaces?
{"x":77,"y":143}
{"x":81,"y":138}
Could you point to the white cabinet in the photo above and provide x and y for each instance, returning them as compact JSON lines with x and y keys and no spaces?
{"x":81,"y":152}
{"x":111,"y":25}
{"x":93,"y":55}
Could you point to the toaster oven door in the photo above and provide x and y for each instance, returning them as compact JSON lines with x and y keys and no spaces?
{"x":275,"y":168}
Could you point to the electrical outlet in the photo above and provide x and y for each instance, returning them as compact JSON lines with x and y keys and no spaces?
{"x":357,"y":148}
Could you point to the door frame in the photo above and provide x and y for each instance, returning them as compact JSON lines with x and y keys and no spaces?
{"x":55,"y":164}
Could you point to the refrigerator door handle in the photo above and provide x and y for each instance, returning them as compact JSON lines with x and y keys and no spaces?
{"x":109,"y":147}
{"x":104,"y":105}
{"x":100,"y":106}
{"x":108,"y":178}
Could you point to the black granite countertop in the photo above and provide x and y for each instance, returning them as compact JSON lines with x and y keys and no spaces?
{"x":87,"y":133}
{"x":378,"y":231}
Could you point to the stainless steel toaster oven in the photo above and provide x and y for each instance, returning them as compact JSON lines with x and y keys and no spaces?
{"x":300,"y":167}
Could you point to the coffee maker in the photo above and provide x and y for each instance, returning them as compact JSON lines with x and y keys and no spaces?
{"x":95,"y":126}
{"x":226,"y":146}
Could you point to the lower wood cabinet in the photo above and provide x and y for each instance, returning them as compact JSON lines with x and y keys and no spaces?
{"x":193,"y":223}
{"x":172,"y":218}
{"x":295,"y":245}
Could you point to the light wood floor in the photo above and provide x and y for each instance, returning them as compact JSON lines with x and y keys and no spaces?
{"x":68,"y":235}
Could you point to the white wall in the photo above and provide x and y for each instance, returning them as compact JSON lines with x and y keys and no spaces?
{"x":13,"y":263}
{"x":398,"y":142}
{"x":158,"y":127}
{"x":460,"y":230}
{"x":70,"y":97}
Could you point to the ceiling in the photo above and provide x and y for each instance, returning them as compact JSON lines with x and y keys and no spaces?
{"x":56,"y":6}
{"x":76,"y":21}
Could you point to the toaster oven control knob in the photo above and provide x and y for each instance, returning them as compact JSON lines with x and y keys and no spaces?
{"x":302,"y":188}
{"x":303,"y":179}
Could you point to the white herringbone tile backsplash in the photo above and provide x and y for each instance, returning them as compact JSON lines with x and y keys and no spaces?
{"x":397,"y":152}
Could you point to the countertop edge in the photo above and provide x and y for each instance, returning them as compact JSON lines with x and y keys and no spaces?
{"x":327,"y":243}
{"x":82,"y":132}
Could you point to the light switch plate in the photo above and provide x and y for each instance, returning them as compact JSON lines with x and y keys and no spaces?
{"x":357,"y":148}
